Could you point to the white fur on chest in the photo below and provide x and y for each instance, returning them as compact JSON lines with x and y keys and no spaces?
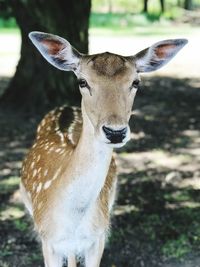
{"x":76,"y":234}
{"x":77,"y":205}
{"x":85,"y":188}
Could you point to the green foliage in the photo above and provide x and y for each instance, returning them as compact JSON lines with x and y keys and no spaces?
{"x":121,"y":20}
{"x":135,"y":6}
{"x":8,"y":185}
{"x":176,"y":248}
{"x":8,"y":23}
{"x":116,"y":6}
{"x":20,"y":224}
{"x":108,"y":24}
{"x":5,"y":252}
{"x":150,"y":225}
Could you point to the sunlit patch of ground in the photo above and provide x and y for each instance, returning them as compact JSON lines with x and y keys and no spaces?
{"x":10,"y":43}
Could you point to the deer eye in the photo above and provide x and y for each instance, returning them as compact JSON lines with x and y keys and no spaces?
{"x":135,"y":83}
{"x":82,"y":83}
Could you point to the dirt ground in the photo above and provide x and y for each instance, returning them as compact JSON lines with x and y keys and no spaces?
{"x":156,"y":220}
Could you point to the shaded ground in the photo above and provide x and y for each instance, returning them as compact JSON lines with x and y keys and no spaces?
{"x":157,"y":215}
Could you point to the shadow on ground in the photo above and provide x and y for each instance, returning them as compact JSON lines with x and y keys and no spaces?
{"x":156,"y":220}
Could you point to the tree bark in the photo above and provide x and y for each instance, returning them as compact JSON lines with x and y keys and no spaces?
{"x":188,"y":4}
{"x":162,"y":5}
{"x":36,"y":84}
{"x":145,"y":8}
{"x":110,"y":6}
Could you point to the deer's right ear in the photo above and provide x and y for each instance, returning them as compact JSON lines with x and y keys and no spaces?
{"x":56,"y":50}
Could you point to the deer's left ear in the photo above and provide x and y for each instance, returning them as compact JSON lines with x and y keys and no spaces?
{"x":158,"y":55}
{"x":56,"y":50}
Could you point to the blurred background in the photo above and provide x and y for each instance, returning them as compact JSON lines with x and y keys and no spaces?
{"x":156,"y":218}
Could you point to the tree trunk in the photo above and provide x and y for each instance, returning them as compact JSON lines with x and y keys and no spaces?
{"x":110,"y":6}
{"x":145,"y":9}
{"x":162,"y":5}
{"x":188,"y":4}
{"x":179,"y":3}
{"x":36,"y":84}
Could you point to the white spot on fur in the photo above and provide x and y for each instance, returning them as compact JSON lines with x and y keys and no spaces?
{"x":56,"y":173}
{"x":64,"y":145}
{"x":34,"y":172}
{"x":47,"y":184}
{"x":34,"y":186}
{"x":70,"y":136}
{"x":32,"y":165}
{"x":51,"y":149}
{"x":61,"y":136}
{"x":43,"y":122}
{"x":58,"y":150}
{"x":38,"y":158}
{"x":71,"y":127}
{"x":45,"y":172}
{"x":46,"y":147}
{"x":34,"y":145}
{"x":62,"y":151}
{"x":39,"y":187}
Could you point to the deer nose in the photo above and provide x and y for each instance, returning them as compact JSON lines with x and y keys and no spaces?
{"x":115,"y":135}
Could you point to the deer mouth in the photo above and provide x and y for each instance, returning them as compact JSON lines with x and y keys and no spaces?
{"x":116,"y":145}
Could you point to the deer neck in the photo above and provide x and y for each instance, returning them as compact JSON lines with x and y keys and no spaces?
{"x":88,"y":167}
{"x":90,"y":152}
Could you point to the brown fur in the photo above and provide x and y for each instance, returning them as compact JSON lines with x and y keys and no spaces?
{"x":49,"y":154}
{"x":108,"y":64}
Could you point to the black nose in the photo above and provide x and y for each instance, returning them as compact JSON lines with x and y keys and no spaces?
{"x":115,"y":136}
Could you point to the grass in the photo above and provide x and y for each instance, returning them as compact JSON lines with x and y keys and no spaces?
{"x":177,"y":248}
{"x":135,"y":24}
{"x":175,"y":231}
{"x":9,"y":23}
{"x":8,"y":185}
{"x":21,"y":225}
{"x":4,"y":30}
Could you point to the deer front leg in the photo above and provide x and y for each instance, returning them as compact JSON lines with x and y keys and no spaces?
{"x":71,"y":261}
{"x":94,"y":254}
{"x":51,"y":258}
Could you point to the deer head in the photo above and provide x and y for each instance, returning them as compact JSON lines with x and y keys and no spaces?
{"x":108,"y":82}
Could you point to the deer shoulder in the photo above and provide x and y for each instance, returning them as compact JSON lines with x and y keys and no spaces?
{"x":57,"y":136}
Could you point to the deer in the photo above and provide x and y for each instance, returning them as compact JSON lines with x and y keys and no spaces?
{"x":69,"y":177}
